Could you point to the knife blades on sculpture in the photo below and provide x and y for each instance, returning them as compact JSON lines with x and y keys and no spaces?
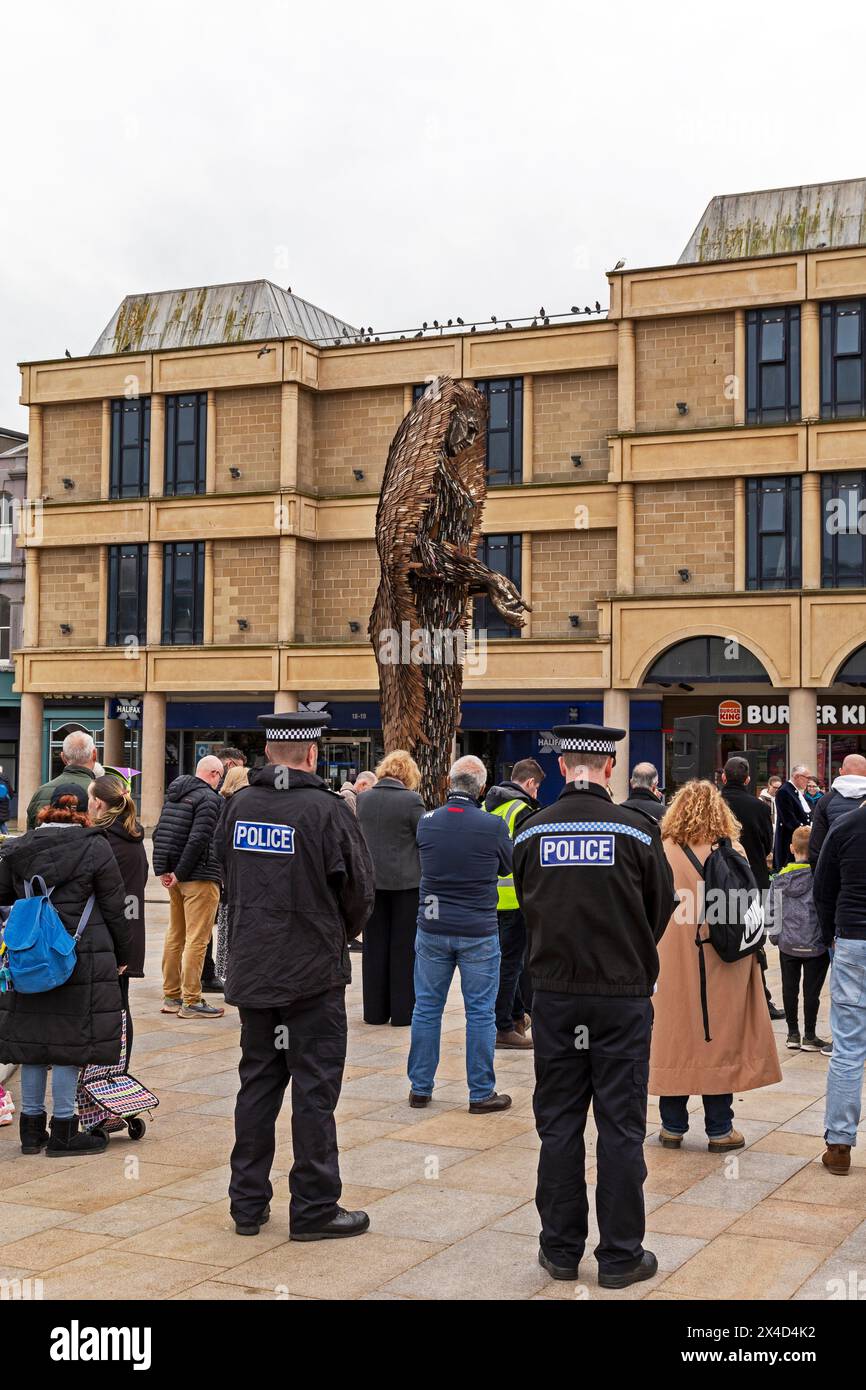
{"x":428,"y":528}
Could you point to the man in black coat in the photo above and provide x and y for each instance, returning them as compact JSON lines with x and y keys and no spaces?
{"x":792,"y":809}
{"x":299,"y":884}
{"x":847,"y":793}
{"x":756,"y":835}
{"x":644,"y":792}
{"x":184,"y":859}
{"x":597,"y":894}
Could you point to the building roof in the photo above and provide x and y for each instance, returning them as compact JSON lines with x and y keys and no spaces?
{"x":18,"y":451}
{"x":251,"y":311}
{"x":12,"y":434}
{"x":807,"y":217}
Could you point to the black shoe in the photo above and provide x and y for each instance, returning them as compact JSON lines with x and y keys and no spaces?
{"x":213,"y":986}
{"x":486,"y":1107}
{"x":33,"y":1132}
{"x":569,"y":1272}
{"x":67,"y":1140}
{"x":345,"y":1223}
{"x":647,"y":1267}
{"x":792,"y":1042}
{"x":812,"y":1043}
{"x":252,"y":1228}
{"x":418,"y":1102}
{"x":775,"y":1013}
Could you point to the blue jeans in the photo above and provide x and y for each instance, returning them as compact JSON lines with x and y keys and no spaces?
{"x":718,"y":1114}
{"x":64,"y":1082}
{"x":477,"y":958}
{"x":848,"y":1027}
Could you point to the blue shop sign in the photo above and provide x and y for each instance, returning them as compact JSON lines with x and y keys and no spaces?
{"x":126,"y":708}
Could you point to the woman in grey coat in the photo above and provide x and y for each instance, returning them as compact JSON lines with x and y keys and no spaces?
{"x":388,"y":815}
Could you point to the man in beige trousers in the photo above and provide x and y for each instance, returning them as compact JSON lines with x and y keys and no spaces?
{"x":184,"y":859}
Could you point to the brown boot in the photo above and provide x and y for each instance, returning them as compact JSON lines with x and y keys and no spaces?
{"x":723,"y":1145}
{"x":513,"y":1039}
{"x":837,"y":1159}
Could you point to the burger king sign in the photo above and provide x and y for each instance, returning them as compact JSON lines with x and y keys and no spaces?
{"x":730,"y":714}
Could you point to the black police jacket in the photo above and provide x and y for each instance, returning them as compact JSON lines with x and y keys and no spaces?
{"x":597,"y":893}
{"x":299,"y":885}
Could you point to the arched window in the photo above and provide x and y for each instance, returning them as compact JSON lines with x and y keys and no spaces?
{"x":853,"y":671}
{"x":707,"y":660}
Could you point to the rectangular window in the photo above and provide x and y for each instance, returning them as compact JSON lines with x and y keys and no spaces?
{"x":502,"y":554}
{"x":130,"y":447}
{"x":773,"y":533}
{"x":843,"y":387}
{"x":843,"y":543}
{"x":185,"y":443}
{"x":127,"y":595}
{"x":183,"y":594}
{"x":772,"y":365}
{"x":504,"y":430}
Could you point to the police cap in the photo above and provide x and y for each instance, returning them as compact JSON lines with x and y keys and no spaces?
{"x":587,"y":738}
{"x":294,"y":728}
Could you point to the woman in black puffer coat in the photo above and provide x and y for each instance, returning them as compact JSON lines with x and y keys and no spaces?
{"x":79,"y":1022}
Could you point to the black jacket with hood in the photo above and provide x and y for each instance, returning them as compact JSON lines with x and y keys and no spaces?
{"x":131,"y":859}
{"x":846,"y":794}
{"x":299,"y":887}
{"x":511,"y":791}
{"x":79,"y":1022}
{"x":183,"y":838}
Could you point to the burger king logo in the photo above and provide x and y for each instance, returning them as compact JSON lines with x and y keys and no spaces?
{"x":730,"y":714}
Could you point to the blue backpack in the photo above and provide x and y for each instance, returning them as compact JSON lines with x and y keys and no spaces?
{"x":38,"y":952}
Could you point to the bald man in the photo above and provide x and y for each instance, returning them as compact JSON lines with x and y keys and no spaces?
{"x":846,"y":793}
{"x":184,"y":859}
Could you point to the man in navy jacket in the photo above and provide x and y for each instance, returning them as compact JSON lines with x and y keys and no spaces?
{"x":463,"y":851}
{"x":792,"y":809}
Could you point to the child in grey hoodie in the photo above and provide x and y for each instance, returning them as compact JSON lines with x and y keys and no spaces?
{"x":794,"y":929}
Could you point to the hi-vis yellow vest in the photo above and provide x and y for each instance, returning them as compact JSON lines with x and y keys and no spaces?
{"x":506,"y":897}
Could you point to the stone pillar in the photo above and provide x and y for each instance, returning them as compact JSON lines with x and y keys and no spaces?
{"x":154,"y":594}
{"x":625,"y":538}
{"x":739,"y":535}
{"x":289,"y":434}
{"x":803,"y":731}
{"x":207,"y":617}
{"x":157,"y":446}
{"x":29,"y":753}
{"x":616,"y":713}
{"x":528,"y":427}
{"x":114,"y":739}
{"x":740,"y":366}
{"x":408,"y":393}
{"x":812,"y":528}
{"x":625,"y":382}
{"x":285,"y":702}
{"x":34,"y":454}
{"x":526,"y":578}
{"x":105,"y":455}
{"x":152,"y":758}
{"x":287,"y":590}
{"x":102,"y":598}
{"x":30,"y":635}
{"x":810,"y":361}
{"x":210,"y":449}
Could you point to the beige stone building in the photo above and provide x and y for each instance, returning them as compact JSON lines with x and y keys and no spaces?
{"x":678,"y":486}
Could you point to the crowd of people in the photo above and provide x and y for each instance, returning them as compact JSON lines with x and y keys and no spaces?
{"x":573,"y":928}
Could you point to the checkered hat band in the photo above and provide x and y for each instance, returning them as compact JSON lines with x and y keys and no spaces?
{"x":295,"y":735}
{"x":587,"y":745}
{"x":584,"y":827}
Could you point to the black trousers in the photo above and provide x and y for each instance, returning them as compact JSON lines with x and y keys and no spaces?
{"x":305,"y":1043}
{"x":512,"y":949}
{"x":591,"y":1048}
{"x":388,"y":962}
{"x":814,"y":970}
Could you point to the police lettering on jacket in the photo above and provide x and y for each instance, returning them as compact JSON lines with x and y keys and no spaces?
{"x":263,"y":837}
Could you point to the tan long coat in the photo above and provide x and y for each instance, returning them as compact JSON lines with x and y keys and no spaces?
{"x":742,"y":1054}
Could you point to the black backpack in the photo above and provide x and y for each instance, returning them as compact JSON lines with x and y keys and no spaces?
{"x":729,"y":907}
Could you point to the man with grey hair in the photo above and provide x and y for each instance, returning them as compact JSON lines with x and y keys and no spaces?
{"x":463,"y":851}
{"x":792,"y":809}
{"x":185,"y":860}
{"x":78,"y":755}
{"x":645,"y":795}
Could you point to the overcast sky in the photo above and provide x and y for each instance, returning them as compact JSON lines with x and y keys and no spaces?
{"x":392,"y":162}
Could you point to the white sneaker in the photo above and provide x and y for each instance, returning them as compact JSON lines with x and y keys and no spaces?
{"x":7,"y":1107}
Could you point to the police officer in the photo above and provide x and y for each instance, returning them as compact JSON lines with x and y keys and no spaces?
{"x":597,"y":893}
{"x":299,"y":886}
